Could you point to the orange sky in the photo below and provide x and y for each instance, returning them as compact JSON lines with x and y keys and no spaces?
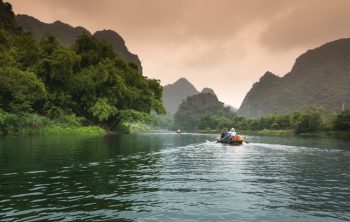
{"x":222,"y":44}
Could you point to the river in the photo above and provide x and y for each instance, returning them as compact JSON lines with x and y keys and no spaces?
{"x":173,"y":177}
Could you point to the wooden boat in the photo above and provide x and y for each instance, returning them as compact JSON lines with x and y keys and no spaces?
{"x":234,"y":140}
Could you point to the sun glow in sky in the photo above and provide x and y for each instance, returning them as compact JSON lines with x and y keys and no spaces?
{"x":226,"y":45}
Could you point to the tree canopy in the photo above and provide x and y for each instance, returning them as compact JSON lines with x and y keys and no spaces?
{"x":88,"y":80}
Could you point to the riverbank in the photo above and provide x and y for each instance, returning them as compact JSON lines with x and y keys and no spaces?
{"x":56,"y":130}
{"x":251,"y":132}
{"x":268,"y":132}
{"x":73,"y":130}
{"x":290,"y":132}
{"x":33,"y":124}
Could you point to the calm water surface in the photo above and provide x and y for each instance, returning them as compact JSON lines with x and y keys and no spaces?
{"x":171,"y":177}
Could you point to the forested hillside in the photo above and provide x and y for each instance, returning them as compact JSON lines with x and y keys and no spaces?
{"x":87,"y":83}
{"x":67,"y":35}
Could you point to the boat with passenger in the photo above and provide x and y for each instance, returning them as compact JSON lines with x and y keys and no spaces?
{"x":233,"y":140}
{"x":230,"y":137}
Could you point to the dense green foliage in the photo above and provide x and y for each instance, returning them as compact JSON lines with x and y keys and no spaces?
{"x":193,"y":116}
{"x":88,"y":80}
{"x":299,"y":122}
{"x":30,"y":124}
{"x":342,"y":122}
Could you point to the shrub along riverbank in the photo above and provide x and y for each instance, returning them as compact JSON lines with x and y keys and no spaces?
{"x":315,"y":121}
{"x":33,"y":124}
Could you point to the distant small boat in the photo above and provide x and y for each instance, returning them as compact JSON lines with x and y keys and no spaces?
{"x":234,"y":140}
{"x":178,"y":131}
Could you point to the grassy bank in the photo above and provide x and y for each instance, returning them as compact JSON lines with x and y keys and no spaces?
{"x":132,"y":127}
{"x":64,"y":130}
{"x":56,"y":130}
{"x":268,"y":132}
{"x":251,"y":132}
{"x":33,"y":124}
{"x":289,"y":132}
{"x":292,"y":133}
{"x":209,"y":131}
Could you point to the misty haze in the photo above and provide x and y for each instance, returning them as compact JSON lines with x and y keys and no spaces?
{"x":174,"y":110}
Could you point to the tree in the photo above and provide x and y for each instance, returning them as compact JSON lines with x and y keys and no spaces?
{"x":102,"y":111}
{"x":88,"y":82}
{"x":307,"y":122}
{"x":20,"y":91}
{"x":342,"y":121}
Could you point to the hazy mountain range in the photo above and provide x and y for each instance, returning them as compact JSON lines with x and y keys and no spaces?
{"x":176,"y":93}
{"x":66,"y":34}
{"x":173,"y":94}
{"x":319,"y":77}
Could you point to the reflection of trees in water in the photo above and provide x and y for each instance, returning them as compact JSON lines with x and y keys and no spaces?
{"x":79,"y":174}
{"x":309,"y":180}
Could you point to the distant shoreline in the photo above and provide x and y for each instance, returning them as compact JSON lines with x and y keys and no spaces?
{"x":282,"y":133}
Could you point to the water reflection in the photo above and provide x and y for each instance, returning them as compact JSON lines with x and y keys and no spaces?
{"x":167,"y":177}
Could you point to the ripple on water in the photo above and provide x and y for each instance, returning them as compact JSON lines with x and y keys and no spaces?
{"x":203,"y":181}
{"x":36,"y":172}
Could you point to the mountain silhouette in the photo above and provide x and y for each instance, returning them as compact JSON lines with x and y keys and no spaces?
{"x":319,"y":77}
{"x":66,"y":34}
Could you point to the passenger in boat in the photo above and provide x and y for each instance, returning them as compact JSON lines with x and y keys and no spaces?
{"x":224,"y":133}
{"x":232,"y":132}
{"x":229,"y":134}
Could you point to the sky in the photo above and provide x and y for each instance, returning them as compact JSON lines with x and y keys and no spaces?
{"x":226,"y":45}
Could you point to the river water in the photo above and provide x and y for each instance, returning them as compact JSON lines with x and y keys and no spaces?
{"x":173,"y":177}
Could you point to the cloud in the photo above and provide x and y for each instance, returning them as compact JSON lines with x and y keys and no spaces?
{"x":214,"y":43}
{"x":170,"y":20}
{"x":309,"y":23}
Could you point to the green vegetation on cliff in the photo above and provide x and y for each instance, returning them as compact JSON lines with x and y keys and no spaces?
{"x":66,"y":35}
{"x":88,"y":81}
{"x":319,"y":77}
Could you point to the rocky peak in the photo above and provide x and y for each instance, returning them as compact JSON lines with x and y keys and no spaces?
{"x":174,"y":94}
{"x":268,"y":77}
{"x":66,"y":34}
{"x":334,"y":52}
{"x":319,"y":77}
{"x":119,"y":45}
{"x":209,"y":90}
